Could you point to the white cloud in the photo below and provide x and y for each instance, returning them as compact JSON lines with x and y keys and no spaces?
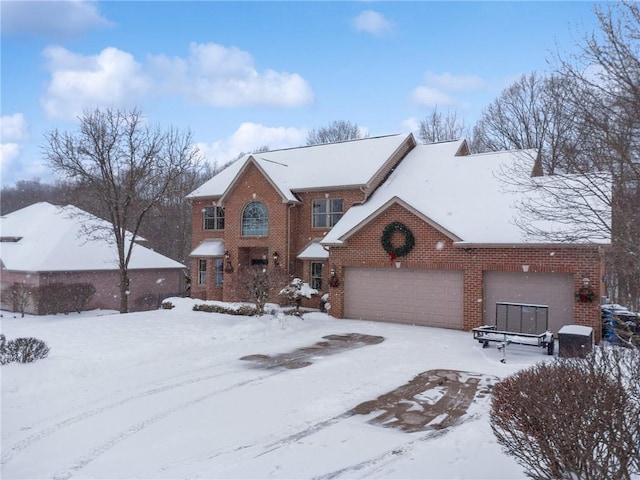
{"x":431,"y":97}
{"x":110,"y":79}
{"x":454,"y":83}
{"x":438,"y":89}
{"x":372,"y":22}
{"x":9,"y":154}
{"x":250,"y":137}
{"x":13,"y":128}
{"x":61,"y":19}
{"x":411,"y":124}
{"x":212,"y":75}
{"x":226,"y":77}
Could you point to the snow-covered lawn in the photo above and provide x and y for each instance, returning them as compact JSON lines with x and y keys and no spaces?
{"x":164,"y":394}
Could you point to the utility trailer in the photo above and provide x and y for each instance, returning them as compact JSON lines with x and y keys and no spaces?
{"x":520,"y":324}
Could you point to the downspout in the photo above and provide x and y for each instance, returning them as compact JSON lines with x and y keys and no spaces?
{"x":289,"y":236}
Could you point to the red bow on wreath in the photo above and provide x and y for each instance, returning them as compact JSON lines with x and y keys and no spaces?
{"x":392,"y":256}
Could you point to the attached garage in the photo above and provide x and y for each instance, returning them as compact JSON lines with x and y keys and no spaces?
{"x":552,"y":289}
{"x":419,"y":297}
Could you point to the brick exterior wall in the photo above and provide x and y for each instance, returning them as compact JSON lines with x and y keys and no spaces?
{"x":242,"y":249}
{"x":432,"y":250}
{"x":147,"y":288}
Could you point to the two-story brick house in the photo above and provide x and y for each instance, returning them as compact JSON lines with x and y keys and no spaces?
{"x":392,"y":230}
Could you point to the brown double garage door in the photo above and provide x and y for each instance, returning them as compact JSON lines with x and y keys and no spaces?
{"x":419,"y":297}
{"x":434,"y":298}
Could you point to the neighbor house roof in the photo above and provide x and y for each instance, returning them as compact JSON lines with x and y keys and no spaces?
{"x":354,"y":163}
{"x":464,"y":196}
{"x":48,"y":238}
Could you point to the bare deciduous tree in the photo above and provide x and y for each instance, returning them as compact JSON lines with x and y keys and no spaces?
{"x":259,"y":284}
{"x":130,"y":167}
{"x":337,"y":131}
{"x":441,"y":127}
{"x":530,"y":113}
{"x":18,"y":296}
{"x":605,"y":104}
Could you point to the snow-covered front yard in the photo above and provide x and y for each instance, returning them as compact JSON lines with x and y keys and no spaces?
{"x":165,"y":394}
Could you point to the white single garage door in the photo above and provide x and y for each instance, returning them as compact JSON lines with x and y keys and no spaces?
{"x":421,"y":297}
{"x":552,"y":289}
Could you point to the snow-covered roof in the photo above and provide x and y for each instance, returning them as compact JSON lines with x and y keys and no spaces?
{"x":465,"y":196}
{"x":209,"y":248}
{"x":332,"y":165}
{"x":313,"y":251}
{"x":48,"y":238}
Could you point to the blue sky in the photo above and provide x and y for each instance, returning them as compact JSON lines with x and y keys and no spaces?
{"x":241,"y":75}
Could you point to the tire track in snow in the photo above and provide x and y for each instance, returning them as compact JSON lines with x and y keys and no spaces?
{"x":10,"y":452}
{"x":132,"y":430}
{"x":383,"y":459}
{"x":142,"y":388}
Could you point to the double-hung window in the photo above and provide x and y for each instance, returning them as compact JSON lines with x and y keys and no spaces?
{"x":316,"y":275}
{"x":202,"y":272}
{"x":218,"y":271}
{"x":326,"y":212}
{"x":255,"y":219}
{"x":213,"y":218}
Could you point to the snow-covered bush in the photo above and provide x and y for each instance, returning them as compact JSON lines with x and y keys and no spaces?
{"x":167,"y":305}
{"x":244,"y":310}
{"x":296,"y":291}
{"x":324,"y":303}
{"x":4,"y":355}
{"x":22,"y":350}
{"x":573,"y":418}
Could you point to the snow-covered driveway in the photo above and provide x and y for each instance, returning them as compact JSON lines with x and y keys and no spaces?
{"x":165,"y":394}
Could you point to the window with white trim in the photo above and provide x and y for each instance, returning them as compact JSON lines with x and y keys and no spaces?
{"x":202,"y":272}
{"x":326,"y":212}
{"x":218,"y":271}
{"x":255,"y":219}
{"x":213,"y":218}
{"x":316,"y":275}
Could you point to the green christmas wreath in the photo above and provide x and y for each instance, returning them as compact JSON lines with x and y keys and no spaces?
{"x":409,"y":240}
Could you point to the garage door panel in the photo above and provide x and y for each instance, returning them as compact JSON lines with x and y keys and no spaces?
{"x":552,"y":289}
{"x":421,"y":297}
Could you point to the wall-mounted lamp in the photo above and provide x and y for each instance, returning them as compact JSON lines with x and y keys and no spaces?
{"x":227,"y":262}
{"x":276,"y":259}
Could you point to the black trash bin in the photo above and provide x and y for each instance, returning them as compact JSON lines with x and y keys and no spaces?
{"x":575,"y":341}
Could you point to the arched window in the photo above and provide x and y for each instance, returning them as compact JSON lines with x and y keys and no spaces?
{"x":255,"y":219}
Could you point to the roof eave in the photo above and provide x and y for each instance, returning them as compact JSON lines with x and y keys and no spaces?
{"x":381,"y":209}
{"x":251,"y":160}
{"x":463,"y":244}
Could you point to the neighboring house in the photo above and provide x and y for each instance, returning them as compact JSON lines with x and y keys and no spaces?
{"x":336,"y":215}
{"x":43,"y":244}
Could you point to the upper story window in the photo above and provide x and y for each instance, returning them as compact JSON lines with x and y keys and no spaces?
{"x":213,"y":218}
{"x":255,"y":219}
{"x":326,"y":212}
